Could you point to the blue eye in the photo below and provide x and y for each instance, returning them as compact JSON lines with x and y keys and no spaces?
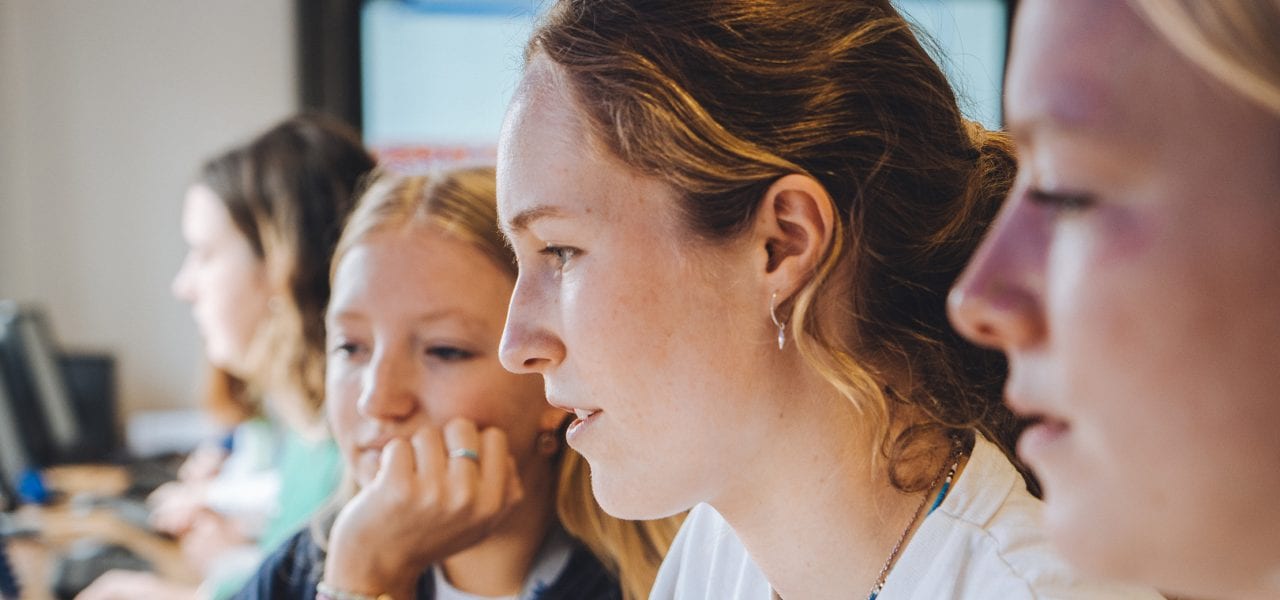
{"x":449,"y":353}
{"x":1067,"y":202}
{"x":561,"y":254}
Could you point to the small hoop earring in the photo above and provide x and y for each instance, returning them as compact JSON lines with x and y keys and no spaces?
{"x":547,"y":443}
{"x":782,"y":327}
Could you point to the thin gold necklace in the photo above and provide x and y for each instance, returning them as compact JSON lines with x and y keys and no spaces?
{"x":950,"y":471}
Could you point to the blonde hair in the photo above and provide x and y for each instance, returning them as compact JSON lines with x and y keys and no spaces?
{"x":1236,"y":41}
{"x":463,"y":204}
{"x":720,"y":98}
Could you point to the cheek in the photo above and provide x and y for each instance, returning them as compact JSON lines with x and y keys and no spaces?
{"x":1100,"y":297}
{"x":1099,"y":294}
{"x":1143,"y":341}
{"x":234,"y":300}
{"x":342,"y":387}
{"x":633,"y":317}
{"x":341,"y":393}
{"x":491,"y":397}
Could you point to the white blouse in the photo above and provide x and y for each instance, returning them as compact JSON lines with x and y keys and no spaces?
{"x":984,"y":542}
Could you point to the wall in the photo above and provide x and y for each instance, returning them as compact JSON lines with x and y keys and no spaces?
{"x":106,"y":110}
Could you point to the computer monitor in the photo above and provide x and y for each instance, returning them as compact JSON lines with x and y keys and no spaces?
{"x":13,"y":452}
{"x":436,"y":76}
{"x":42,"y":407}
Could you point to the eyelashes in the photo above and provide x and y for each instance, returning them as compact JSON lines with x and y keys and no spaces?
{"x":561,"y":255}
{"x":450,"y":353}
{"x":1064,"y":202}
{"x":346,"y":349}
{"x":442,"y":353}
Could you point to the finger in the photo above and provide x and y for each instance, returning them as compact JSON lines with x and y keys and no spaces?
{"x":495,"y":470}
{"x":515,"y":488}
{"x":460,"y":434}
{"x":428,"y":450}
{"x":395,"y":463}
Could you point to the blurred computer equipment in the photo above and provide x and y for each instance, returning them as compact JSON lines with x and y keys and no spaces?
{"x":14,"y":459}
{"x":38,"y":390}
{"x":60,"y":405}
{"x":87,"y":560}
{"x":9,"y":589}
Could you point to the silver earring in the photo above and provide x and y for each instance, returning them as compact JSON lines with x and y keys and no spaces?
{"x":782,"y":327}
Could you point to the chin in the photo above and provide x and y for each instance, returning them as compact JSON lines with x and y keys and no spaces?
{"x":219,"y":353}
{"x":636,"y":498}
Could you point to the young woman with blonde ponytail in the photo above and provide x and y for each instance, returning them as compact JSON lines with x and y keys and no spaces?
{"x":1133,"y":280}
{"x":458,"y":482}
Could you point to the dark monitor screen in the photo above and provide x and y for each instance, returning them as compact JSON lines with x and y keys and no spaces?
{"x":39,"y":400}
{"x":13,"y":452}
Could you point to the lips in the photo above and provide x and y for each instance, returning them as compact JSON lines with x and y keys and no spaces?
{"x":581,"y":425}
{"x":584,"y":418}
{"x":1041,"y":433}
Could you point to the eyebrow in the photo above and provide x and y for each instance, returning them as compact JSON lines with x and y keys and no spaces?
{"x":424,"y":318}
{"x":523,"y":219}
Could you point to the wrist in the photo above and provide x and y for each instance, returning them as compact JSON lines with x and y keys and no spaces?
{"x":366,"y":577}
{"x":325,"y":591}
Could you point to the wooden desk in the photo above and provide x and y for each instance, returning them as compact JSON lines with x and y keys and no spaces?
{"x":64,"y":523}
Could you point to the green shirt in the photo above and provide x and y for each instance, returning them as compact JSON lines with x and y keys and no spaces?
{"x":309,"y":474}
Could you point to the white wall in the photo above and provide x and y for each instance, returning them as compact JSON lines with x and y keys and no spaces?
{"x":106,"y":110}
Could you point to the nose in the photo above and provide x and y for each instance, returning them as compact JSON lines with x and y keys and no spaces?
{"x":997,"y":302}
{"x":528,"y":345}
{"x":181,"y":287}
{"x":388,"y":387}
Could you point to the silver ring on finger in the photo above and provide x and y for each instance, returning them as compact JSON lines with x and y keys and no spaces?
{"x":466,"y":453}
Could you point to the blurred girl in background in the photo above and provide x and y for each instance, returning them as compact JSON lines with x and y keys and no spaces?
{"x":261,"y":223}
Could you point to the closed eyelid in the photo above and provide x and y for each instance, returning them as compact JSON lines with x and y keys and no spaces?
{"x":1062,"y":199}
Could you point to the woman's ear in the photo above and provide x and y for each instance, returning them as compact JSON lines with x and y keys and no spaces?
{"x":795,"y":226}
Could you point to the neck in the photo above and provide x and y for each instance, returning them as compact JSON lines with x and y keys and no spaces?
{"x":498,"y":565}
{"x":818,"y":517}
{"x":291,"y":406}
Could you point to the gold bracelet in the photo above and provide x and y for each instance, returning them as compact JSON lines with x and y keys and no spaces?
{"x":325,"y":591}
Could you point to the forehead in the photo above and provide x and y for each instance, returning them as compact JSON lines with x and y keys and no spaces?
{"x":1073,"y":65}
{"x":204,"y":214}
{"x":542,"y":142}
{"x":418,"y":266}
{"x":550,"y":164}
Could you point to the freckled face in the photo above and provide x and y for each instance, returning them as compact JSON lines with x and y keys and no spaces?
{"x":656,"y":338}
{"x":1133,"y":279}
{"x":413,"y":329}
